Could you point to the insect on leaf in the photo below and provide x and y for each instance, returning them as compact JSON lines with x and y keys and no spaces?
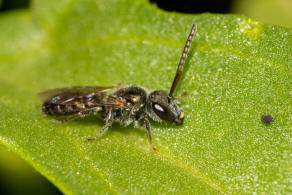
{"x":237,"y":70}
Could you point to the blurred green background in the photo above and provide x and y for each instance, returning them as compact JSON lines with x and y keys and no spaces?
{"x":17,"y":177}
{"x":278,"y":12}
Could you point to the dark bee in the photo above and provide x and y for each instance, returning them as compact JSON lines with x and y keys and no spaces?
{"x":126,"y":104}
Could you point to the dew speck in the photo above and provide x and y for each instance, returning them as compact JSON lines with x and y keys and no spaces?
{"x":250,"y":27}
{"x":195,"y":92}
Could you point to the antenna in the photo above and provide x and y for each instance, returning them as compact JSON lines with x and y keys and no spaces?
{"x":182,"y":60}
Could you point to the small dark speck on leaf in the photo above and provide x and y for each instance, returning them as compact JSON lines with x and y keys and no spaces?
{"x":267,"y":119}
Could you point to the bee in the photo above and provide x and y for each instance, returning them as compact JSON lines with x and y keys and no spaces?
{"x":125,"y":104}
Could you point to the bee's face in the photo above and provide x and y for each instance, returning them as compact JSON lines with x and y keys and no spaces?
{"x":162,"y":107}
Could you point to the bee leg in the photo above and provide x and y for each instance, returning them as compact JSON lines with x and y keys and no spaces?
{"x":107,"y":125}
{"x":77,"y":115}
{"x":182,"y":95}
{"x":109,"y":122}
{"x":70,"y":118}
{"x":148,"y":127}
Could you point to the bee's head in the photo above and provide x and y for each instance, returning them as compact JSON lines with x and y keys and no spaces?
{"x":162,"y":107}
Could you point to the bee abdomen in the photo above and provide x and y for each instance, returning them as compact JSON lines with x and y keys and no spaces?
{"x":58,"y":109}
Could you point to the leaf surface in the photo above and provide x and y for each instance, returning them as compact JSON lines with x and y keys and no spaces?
{"x":237,"y":71}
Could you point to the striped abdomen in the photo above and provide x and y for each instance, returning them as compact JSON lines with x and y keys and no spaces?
{"x":58,"y":105}
{"x":52,"y":109}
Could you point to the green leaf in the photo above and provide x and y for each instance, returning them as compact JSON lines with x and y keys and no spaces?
{"x":237,"y":70}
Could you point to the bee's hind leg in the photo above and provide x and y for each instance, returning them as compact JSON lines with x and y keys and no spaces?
{"x":77,"y":115}
{"x":69,"y":118}
{"x":109,"y":122}
{"x":107,"y":125}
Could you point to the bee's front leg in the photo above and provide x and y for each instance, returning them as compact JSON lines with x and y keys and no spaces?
{"x":148,"y":127}
{"x":182,"y":95}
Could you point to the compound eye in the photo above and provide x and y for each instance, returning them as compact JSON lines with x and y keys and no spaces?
{"x":158,"y":108}
{"x":163,"y":112}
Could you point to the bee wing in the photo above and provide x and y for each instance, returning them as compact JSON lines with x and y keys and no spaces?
{"x":81,"y":95}
{"x":74,"y":91}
